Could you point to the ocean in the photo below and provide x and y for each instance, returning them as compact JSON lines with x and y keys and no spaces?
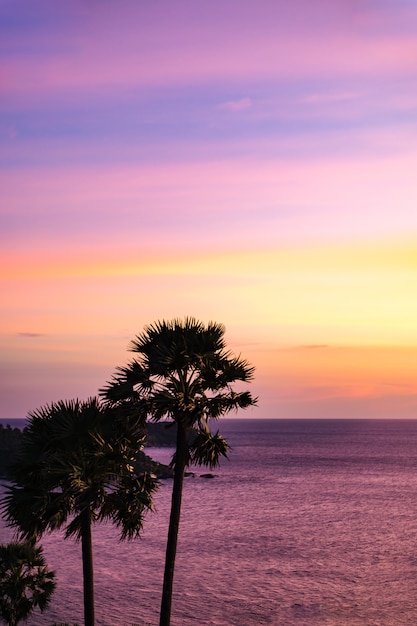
{"x":310,"y":523}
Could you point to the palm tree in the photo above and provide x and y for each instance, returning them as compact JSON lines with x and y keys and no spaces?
{"x":183,"y":374}
{"x":25,"y":582}
{"x":75,"y":467}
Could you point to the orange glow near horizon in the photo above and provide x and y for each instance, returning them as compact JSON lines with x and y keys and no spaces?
{"x":346,"y":295}
{"x":325,"y":325}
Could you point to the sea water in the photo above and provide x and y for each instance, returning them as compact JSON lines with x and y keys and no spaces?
{"x":310,"y":523}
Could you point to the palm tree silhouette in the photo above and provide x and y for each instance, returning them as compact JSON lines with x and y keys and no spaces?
{"x":25,"y":582}
{"x":75,"y":467}
{"x":183,"y":374}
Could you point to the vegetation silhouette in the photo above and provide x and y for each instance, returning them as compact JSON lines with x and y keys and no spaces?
{"x":183,"y":374}
{"x":10,"y":439}
{"x":75,"y":466}
{"x":156,"y":435}
{"x":25,"y":581}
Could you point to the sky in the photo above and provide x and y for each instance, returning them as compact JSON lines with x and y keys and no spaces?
{"x":248,"y":162}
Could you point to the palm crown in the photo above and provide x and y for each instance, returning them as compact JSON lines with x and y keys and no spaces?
{"x":77,"y":459}
{"x":25,"y":581}
{"x":75,"y":467}
{"x":183,"y":374}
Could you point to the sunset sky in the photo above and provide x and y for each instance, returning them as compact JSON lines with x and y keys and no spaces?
{"x":248,"y":162}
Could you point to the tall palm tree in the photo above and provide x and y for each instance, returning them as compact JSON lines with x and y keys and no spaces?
{"x":75,"y":467}
{"x":184,"y":374}
{"x":25,"y":582}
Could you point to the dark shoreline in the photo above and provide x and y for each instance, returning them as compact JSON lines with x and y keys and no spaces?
{"x":158,"y":434}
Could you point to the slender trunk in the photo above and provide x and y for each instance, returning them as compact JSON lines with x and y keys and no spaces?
{"x":174,"y":521}
{"x":88,"y":574}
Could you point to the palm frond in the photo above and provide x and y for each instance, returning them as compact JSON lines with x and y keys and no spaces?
{"x":25,"y":582}
{"x":75,"y":454}
{"x":127,"y":504}
{"x":207,"y":449}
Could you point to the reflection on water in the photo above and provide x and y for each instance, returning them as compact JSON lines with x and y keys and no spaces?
{"x":309,"y":523}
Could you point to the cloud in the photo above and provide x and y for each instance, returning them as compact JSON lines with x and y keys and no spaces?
{"x":302,"y":348}
{"x":237,"y":105}
{"x":28,"y":334}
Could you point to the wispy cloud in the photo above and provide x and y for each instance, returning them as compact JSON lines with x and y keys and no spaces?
{"x":31,"y":335}
{"x":237,"y":105}
{"x":304,"y":348}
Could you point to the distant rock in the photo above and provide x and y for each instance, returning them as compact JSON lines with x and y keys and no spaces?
{"x":207,"y":476}
{"x":146,"y":465}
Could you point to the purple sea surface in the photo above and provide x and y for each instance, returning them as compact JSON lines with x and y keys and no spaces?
{"x":310,"y":523}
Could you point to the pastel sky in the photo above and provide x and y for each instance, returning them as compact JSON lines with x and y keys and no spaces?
{"x":249,"y":162}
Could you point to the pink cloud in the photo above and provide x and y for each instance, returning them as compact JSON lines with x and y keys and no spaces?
{"x":237,"y":105}
{"x":141,"y":46}
{"x":275,"y":198}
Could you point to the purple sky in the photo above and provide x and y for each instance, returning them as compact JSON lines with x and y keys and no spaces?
{"x":249,"y":162}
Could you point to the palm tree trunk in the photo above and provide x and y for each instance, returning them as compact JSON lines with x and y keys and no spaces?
{"x":181,"y":457}
{"x":88,"y":573}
